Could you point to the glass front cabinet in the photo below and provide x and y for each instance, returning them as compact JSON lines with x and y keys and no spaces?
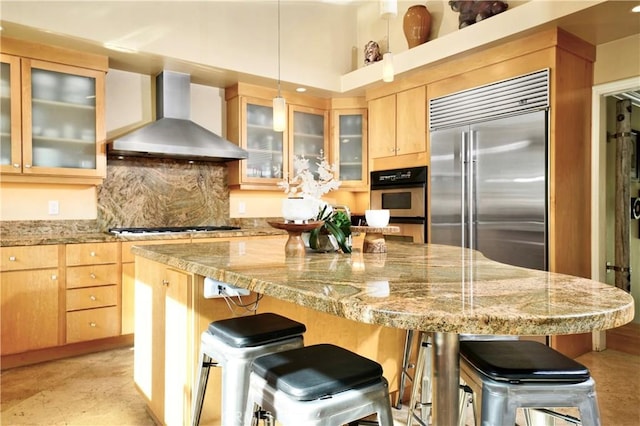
{"x":271,"y":154}
{"x":52,"y":119}
{"x":349,"y":147}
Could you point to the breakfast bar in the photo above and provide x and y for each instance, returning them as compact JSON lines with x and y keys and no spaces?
{"x":433,"y":288}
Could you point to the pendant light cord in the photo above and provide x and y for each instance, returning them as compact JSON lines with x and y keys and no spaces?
{"x":278,"y":48}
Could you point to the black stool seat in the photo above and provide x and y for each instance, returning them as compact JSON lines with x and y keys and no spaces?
{"x":313,"y":372}
{"x":522,"y":361}
{"x":255,"y":330}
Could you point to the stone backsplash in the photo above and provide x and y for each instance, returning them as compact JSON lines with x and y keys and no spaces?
{"x":162,"y":192}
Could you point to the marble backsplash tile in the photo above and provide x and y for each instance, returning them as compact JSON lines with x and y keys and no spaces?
{"x":162,"y":192}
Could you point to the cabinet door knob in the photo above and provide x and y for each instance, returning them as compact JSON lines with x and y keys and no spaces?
{"x":27,"y":166}
{"x":92,"y":324}
{"x":92,"y":297}
{"x":92,"y":275}
{"x":54,"y":277}
{"x":92,"y":254}
{"x":165,"y":282}
{"x":16,"y":165}
{"x":12,"y":258}
{"x":392,"y":150}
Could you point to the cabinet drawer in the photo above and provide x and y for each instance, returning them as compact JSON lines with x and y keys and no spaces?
{"x":92,"y":253}
{"x":92,"y":297}
{"x":89,"y":276}
{"x":92,"y":324}
{"x":28,"y":257}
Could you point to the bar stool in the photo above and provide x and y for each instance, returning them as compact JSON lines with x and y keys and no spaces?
{"x":506,"y":375}
{"x":234,"y":343}
{"x":322,"y":385}
{"x":421,"y":389}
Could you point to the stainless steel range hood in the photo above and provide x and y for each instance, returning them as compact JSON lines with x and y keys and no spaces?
{"x":174,"y":135}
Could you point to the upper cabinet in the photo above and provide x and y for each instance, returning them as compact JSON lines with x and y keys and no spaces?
{"x":53,"y":130}
{"x":349,"y":143}
{"x":271,"y":154}
{"x":397,"y":129}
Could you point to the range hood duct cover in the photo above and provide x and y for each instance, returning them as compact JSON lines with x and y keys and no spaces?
{"x":173,"y":134}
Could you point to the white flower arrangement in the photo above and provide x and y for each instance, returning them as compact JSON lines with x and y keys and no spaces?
{"x":304,"y":184}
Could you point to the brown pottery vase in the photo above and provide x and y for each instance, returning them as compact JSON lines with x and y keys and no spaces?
{"x":416,"y":25}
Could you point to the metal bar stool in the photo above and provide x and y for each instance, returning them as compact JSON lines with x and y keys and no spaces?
{"x":322,"y":385}
{"x":421,"y":388}
{"x":506,"y":375}
{"x":234,"y":343}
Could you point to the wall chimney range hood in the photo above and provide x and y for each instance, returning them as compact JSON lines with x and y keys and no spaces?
{"x":173,"y":134}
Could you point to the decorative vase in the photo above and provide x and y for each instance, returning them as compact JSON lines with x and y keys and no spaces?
{"x":416,"y":25}
{"x":326,"y":243}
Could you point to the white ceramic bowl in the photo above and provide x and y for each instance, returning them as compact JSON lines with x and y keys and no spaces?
{"x":377,"y":218}
{"x":297,"y":210}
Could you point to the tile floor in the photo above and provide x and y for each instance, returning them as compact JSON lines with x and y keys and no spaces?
{"x":98,"y":390}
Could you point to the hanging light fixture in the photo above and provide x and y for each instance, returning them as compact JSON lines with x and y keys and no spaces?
{"x":388,"y":10}
{"x":279,"y":104}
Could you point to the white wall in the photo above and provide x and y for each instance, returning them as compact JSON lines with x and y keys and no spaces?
{"x":234,"y":35}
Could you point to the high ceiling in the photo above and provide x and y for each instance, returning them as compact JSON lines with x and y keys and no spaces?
{"x":602,"y":23}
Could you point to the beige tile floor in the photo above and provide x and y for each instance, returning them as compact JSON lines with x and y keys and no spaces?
{"x":98,"y":390}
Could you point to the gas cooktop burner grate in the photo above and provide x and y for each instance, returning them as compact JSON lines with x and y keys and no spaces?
{"x":171,"y":229}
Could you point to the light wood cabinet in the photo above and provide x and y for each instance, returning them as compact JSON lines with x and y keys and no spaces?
{"x":271,"y":154}
{"x":93,"y":291}
{"x":164,"y":334}
{"x":30,"y":291}
{"x":349,"y":146}
{"x":56,"y":116}
{"x":129,"y":278}
{"x":397,"y":129}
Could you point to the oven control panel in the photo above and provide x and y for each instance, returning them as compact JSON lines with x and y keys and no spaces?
{"x":399,"y":177}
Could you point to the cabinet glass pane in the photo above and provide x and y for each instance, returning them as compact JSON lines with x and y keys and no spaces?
{"x":63,"y":120}
{"x":308,"y":137}
{"x":350,"y":147}
{"x":5,"y":114}
{"x":263,"y":144}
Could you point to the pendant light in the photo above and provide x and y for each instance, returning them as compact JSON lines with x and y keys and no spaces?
{"x":388,"y":10}
{"x":279,"y":104}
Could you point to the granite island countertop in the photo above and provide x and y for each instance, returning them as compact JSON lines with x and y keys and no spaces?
{"x":424,"y":287}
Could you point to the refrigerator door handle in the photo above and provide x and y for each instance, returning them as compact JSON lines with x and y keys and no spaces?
{"x":472,"y":146}
{"x":464,"y":164}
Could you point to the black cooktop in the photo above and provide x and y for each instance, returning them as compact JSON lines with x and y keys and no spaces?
{"x":171,"y":229}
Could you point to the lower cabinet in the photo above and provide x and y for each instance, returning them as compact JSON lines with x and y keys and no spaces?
{"x":30,"y":298}
{"x":93,"y":291}
{"x":164,"y":341}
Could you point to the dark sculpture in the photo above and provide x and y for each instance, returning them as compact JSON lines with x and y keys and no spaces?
{"x":472,"y":11}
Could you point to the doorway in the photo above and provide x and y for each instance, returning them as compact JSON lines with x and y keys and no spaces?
{"x":602,"y":181}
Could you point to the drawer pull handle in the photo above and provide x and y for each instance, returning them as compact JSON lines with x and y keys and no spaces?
{"x":92,"y":275}
{"x":92,"y":324}
{"x":12,"y":258}
{"x":165,"y":283}
{"x":93,"y":298}
{"x":92,"y":254}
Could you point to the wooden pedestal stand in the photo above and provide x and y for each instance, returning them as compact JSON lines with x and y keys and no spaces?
{"x":295,"y":246}
{"x":374,"y":241}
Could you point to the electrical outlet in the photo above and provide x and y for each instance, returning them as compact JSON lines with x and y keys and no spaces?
{"x":242,"y":207}
{"x":54,"y":207}
{"x":214,"y":288}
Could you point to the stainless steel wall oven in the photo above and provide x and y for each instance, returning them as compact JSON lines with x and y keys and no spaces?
{"x":403,"y":192}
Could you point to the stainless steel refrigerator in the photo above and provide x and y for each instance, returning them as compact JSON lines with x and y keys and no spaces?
{"x":489,"y":170}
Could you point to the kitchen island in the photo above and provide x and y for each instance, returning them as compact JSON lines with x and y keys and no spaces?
{"x":441,"y":289}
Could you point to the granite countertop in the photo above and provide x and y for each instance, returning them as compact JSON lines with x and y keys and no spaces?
{"x":45,"y":238}
{"x":412,"y":286}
